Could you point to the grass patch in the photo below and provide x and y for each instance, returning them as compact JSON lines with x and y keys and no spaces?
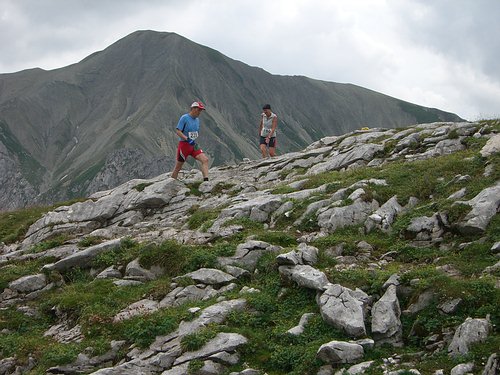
{"x":202,"y":218}
{"x":15,"y":224}
{"x":16,"y":270}
{"x":142,"y":186}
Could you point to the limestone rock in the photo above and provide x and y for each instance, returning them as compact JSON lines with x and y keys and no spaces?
{"x":469,"y":332}
{"x":29,"y":283}
{"x":386,"y":323}
{"x":340,"y":352}
{"x":341,"y":309}
{"x":484,"y":206}
{"x":305,"y":276}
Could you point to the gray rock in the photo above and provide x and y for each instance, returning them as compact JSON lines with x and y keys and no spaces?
{"x":248,"y":254}
{"x":123,"y":283}
{"x":304,"y":254}
{"x":190,"y":293}
{"x":403,"y":371}
{"x":208,"y":276}
{"x":211,"y":368}
{"x":492,"y":367}
{"x":326,"y":370}
{"x":139,"y":308}
{"x":386,"y":323}
{"x":83,"y":258}
{"x":223,"y":342}
{"x":305,"y":276}
{"x":29,"y":283}
{"x":341,"y":217}
{"x":491,"y":147}
{"x":359,"y":152}
{"x":360,"y":368}
{"x":299,"y":329}
{"x":458,"y":194}
{"x":182,"y":369}
{"x":462,"y":369}
{"x":450,"y":306}
{"x":258,"y":209}
{"x":469,"y":332}
{"x":225,"y":357}
{"x":212,"y":314}
{"x":340,"y":352}
{"x":7,"y":365}
{"x":394,"y":279}
{"x":426,"y":228}
{"x":484,"y":206}
{"x":109,"y":273}
{"x":65,"y":334}
{"x":134,"y":271}
{"x":424,"y":300}
{"x":342,"y":310}
{"x":495,"y":249}
{"x":236,"y":271}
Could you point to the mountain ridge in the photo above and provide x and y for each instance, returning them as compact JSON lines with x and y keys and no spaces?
{"x":76,"y":121}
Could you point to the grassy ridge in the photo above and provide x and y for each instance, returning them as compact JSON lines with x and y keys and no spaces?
{"x":279,"y":305}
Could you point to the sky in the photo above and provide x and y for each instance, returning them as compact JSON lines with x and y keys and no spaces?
{"x":437,"y":53}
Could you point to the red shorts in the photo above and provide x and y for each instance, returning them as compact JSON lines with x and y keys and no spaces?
{"x":184,"y":149}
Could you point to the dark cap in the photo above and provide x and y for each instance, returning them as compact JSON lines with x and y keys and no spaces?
{"x":266,"y":106}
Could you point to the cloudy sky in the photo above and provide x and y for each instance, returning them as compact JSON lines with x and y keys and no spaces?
{"x":437,"y":53}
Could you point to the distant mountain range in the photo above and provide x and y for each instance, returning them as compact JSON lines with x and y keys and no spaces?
{"x":90,"y":126}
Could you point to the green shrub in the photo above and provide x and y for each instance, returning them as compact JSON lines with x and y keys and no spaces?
{"x":90,"y":241}
{"x":142,"y":186}
{"x":283,"y":239}
{"x":49,"y":244}
{"x":201,"y":218}
{"x":197,"y":340}
{"x":143,"y":330}
{"x":15,"y":224}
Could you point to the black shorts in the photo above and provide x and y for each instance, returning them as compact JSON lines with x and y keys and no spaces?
{"x":272,"y":141}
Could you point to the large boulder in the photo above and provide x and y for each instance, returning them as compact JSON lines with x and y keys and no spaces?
{"x":469,"y":332}
{"x":340,"y":352}
{"x":305,"y":276}
{"x":356,"y":213}
{"x":484,"y":206}
{"x":386,"y":323}
{"x":340,"y":308}
{"x":361,"y":152}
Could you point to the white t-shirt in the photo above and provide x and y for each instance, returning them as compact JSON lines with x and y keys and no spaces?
{"x":267,"y":125}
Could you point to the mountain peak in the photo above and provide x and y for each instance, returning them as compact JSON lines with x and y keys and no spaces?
{"x":71,"y":126}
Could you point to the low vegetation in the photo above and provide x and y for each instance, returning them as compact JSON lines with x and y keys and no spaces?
{"x":93,"y":303}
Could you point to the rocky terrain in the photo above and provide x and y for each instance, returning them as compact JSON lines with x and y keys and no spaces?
{"x":69,"y":132}
{"x":373,"y":252}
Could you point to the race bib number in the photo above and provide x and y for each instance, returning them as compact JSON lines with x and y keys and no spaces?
{"x":192,"y":135}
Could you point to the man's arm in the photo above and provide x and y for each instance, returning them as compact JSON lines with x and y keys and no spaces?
{"x":181,"y":134}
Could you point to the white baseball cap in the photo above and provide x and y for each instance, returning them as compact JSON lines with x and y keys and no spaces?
{"x":198,"y":104}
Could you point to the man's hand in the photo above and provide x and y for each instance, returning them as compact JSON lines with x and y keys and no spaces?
{"x":191,"y":141}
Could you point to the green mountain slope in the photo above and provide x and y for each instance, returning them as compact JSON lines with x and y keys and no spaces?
{"x":382,"y":243}
{"x":79,"y":121}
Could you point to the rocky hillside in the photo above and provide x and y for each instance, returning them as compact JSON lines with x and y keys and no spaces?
{"x":109,"y":118}
{"x":372,"y":252}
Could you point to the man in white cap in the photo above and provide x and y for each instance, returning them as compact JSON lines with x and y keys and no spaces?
{"x":187,"y":129}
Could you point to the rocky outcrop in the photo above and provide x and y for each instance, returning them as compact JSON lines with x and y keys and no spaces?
{"x":386,"y":323}
{"x":340,"y":307}
{"x":270,"y":195}
{"x":484,"y":206}
{"x":469,"y":332}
